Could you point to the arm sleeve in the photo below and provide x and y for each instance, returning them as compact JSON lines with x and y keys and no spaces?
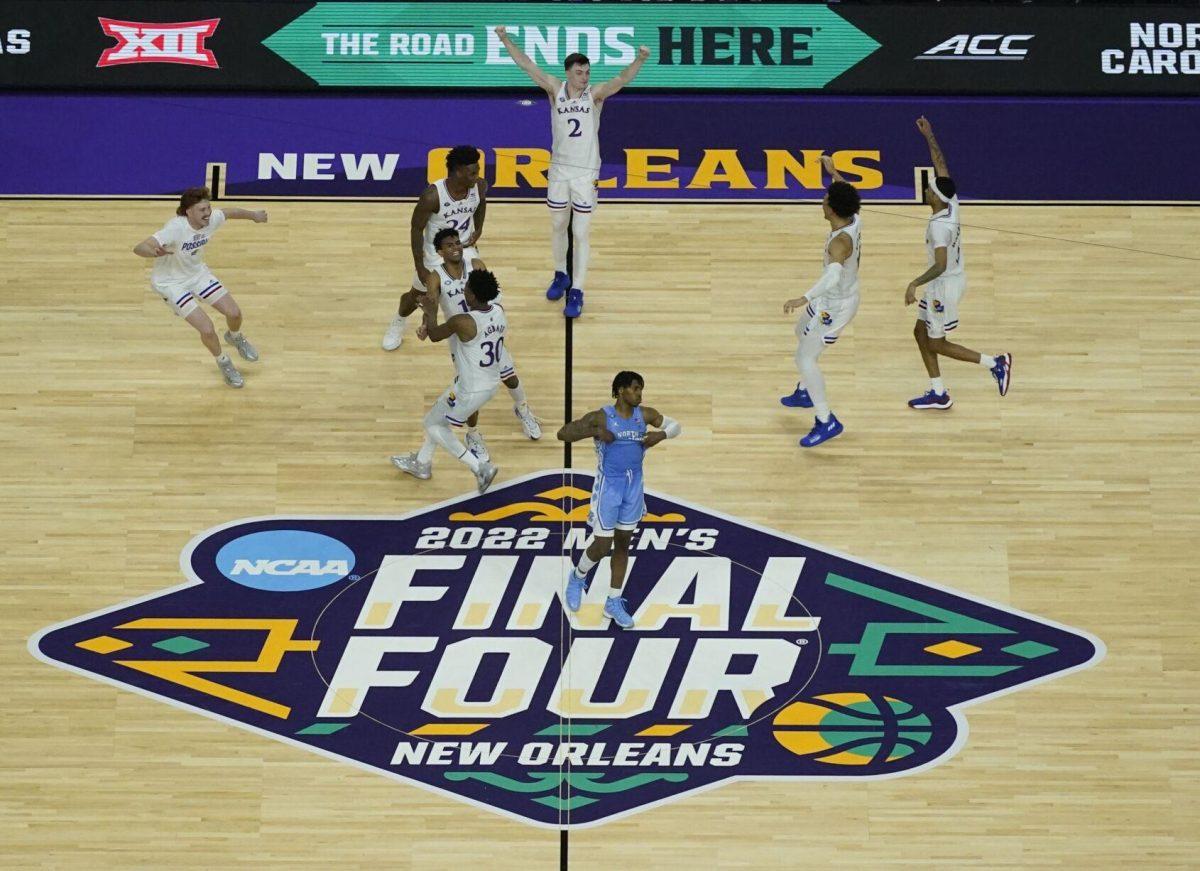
{"x":217,"y":219}
{"x":168,"y":235}
{"x":940,"y":234}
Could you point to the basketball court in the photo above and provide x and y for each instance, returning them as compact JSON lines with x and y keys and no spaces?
{"x":1072,"y":499}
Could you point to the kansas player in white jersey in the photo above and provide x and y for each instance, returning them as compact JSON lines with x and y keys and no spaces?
{"x":575,"y":106}
{"x":618,"y":499}
{"x":446,"y":284}
{"x":182,"y":278}
{"x":458,"y":202}
{"x":945,"y":282}
{"x":477,"y":347}
{"x":829,"y":305}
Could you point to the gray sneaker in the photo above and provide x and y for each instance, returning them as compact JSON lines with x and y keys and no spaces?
{"x":529,"y":423}
{"x":476,"y":446}
{"x":243,"y":346}
{"x":485,"y":476}
{"x":409,"y":463}
{"x":232,"y":376}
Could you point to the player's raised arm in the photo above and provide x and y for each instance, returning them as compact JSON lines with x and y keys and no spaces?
{"x":590,"y":426}
{"x":543,"y":79}
{"x":935,"y":150}
{"x":258,"y":217}
{"x":462,"y":325}
{"x":827,"y":163}
{"x":605,"y":90}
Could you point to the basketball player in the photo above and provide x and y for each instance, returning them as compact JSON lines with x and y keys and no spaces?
{"x":181,"y":277}
{"x":457,"y":202}
{"x":947,"y":282}
{"x":445,"y":284}
{"x":618,"y":503}
{"x":829,"y":305}
{"x":574,"y":159}
{"x":477,"y":346}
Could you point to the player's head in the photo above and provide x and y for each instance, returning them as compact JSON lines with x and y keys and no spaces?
{"x":482,"y":287}
{"x":627,"y":386}
{"x":579,"y":70}
{"x":195,"y":206}
{"x":841,"y":201}
{"x":939,"y":194}
{"x":462,"y":163}
{"x":448,"y":245}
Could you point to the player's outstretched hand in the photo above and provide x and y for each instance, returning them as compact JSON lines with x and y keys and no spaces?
{"x":910,"y":295}
{"x":924,"y":126}
{"x":792,"y":304}
{"x":643,"y":52}
{"x":827,"y":163}
{"x":500,"y":30}
{"x":259,"y":217}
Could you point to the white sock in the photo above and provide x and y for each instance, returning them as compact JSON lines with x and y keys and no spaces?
{"x":986,"y":362}
{"x":559,"y":218}
{"x":518,"y":396}
{"x":235,"y":334}
{"x":938,"y":387}
{"x":443,"y":435}
{"x":613,"y":592}
{"x":584,"y":565}
{"x":425,"y":455}
{"x":224,"y":358}
{"x":580,"y":232}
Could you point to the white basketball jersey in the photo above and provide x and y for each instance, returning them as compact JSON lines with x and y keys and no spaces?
{"x":477,"y":363}
{"x":186,"y":260}
{"x":943,"y":231}
{"x":575,"y":125}
{"x":451,"y":214}
{"x":451,"y":300}
{"x":847,"y":285}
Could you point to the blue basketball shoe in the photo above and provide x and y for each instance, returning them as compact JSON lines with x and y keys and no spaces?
{"x":576,"y":586}
{"x":799,"y":398}
{"x":574,"y":306}
{"x":1002,"y":372}
{"x":558,"y":286}
{"x":822,"y":432}
{"x":931,"y":400}
{"x":614,"y":606}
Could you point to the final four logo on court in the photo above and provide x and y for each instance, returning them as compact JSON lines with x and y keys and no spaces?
{"x":433,"y":648}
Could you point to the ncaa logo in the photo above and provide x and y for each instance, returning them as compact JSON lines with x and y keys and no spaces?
{"x":449,"y":663}
{"x":283,"y":560}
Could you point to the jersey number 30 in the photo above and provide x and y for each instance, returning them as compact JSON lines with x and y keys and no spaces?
{"x":493,"y":351}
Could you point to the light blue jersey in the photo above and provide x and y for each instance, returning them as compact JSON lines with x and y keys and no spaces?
{"x":618,"y":501}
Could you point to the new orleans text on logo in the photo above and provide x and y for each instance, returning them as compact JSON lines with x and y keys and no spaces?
{"x":434,"y":648}
{"x":141,"y":43}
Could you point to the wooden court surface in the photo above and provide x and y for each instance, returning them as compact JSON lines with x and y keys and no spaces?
{"x":1074,"y":499}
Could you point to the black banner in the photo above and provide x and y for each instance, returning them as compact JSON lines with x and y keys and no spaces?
{"x":868,"y":49}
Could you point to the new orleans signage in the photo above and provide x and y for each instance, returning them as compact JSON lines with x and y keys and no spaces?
{"x":433,"y":648}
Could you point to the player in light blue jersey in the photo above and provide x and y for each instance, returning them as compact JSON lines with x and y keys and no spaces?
{"x":618,"y":502}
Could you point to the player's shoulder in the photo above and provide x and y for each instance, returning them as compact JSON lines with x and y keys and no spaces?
{"x":429,"y":196}
{"x":482,"y":187}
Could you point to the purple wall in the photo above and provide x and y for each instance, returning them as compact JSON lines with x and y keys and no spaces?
{"x":998,"y":149}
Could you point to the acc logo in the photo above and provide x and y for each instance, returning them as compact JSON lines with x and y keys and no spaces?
{"x":140,"y":43}
{"x":449,"y":663}
{"x":985,"y":46}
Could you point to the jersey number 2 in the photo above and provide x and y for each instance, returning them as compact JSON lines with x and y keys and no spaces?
{"x":574,"y":122}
